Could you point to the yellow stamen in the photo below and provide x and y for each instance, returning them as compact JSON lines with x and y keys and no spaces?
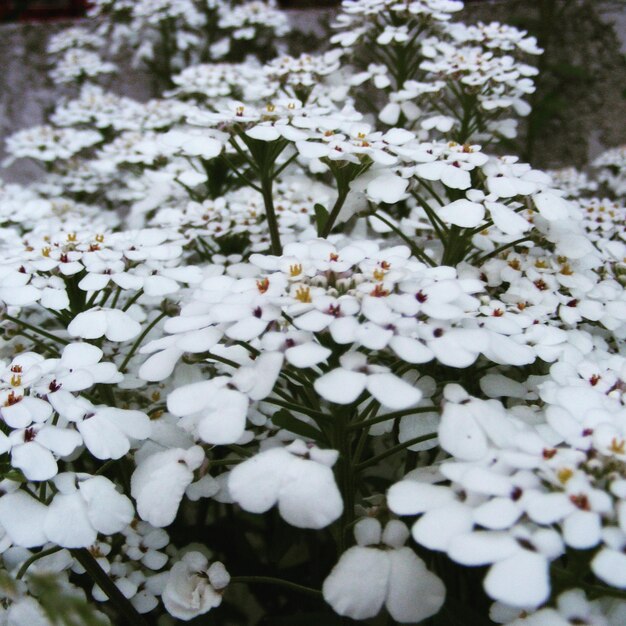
{"x":263,"y":285}
{"x":379,"y":291}
{"x":303,"y":294}
{"x":564,"y":474}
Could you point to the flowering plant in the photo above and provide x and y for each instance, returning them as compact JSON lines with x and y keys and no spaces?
{"x":295,"y":341}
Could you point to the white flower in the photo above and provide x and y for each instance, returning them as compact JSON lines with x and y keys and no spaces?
{"x":160,"y":480}
{"x":608,"y":565}
{"x":552,"y":207}
{"x":193,"y":587}
{"x":115,"y":325}
{"x":366,"y":578}
{"x":33,"y":450}
{"x":572,"y":607}
{"x":83,"y":507}
{"x":462,"y":213}
{"x":297,"y":478}
{"x":25,"y":612}
{"x":23,"y":518}
{"x":345,"y":384}
{"x":217,"y":412}
{"x":193,"y":144}
{"x":144,"y":543}
{"x":443,"y":123}
{"x":387,"y":188}
{"x":107,"y":431}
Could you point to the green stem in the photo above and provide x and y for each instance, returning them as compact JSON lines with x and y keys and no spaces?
{"x":268,"y":580}
{"x":345,"y":475}
{"x":141,"y":337}
{"x":242,"y":154}
{"x":395,"y":449}
{"x":35,"y":557}
{"x":419,"y":253}
{"x":240,"y":450}
{"x":334,"y":213}
{"x":360,"y":446}
{"x":279,"y":170}
{"x":126,"y":610}
{"x":267,"y":183}
{"x":40,"y":344}
{"x":298,"y":408}
{"x":105,"y":296}
{"x":497,"y":251}
{"x":239,"y":175}
{"x":221,"y":359}
{"x":429,"y":187}
{"x":116,"y":297}
{"x":390,"y":416}
{"x":454,"y":247}
{"x":132,"y":300}
{"x":440,"y":228}
{"x":35,"y":329}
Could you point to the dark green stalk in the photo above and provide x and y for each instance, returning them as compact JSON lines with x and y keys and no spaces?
{"x":132,"y":300}
{"x":125,"y":609}
{"x":35,"y":329}
{"x":390,"y":416}
{"x":268,"y":580}
{"x":345,"y":474}
{"x":239,"y":175}
{"x":267,"y":183}
{"x":35,"y":557}
{"x":420,"y":254}
{"x":497,"y":251}
{"x":141,"y":337}
{"x":298,"y":408}
{"x":334,"y":212}
{"x":394,"y":450}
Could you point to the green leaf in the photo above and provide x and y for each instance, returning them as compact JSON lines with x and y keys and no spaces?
{"x":284,"y":419}
{"x":321,"y":217}
{"x":15,"y":476}
{"x":65,"y":606}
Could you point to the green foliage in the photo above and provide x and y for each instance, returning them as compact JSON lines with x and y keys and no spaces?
{"x":62,"y":606}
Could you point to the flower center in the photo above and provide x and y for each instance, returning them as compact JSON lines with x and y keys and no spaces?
{"x":303,"y":294}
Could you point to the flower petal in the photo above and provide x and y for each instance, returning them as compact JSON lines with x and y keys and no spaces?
{"x":521,"y":580}
{"x":341,"y":386}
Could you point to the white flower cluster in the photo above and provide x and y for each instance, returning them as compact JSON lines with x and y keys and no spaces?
{"x":74,"y":37}
{"x":49,"y":144}
{"x":500,"y":81}
{"x":429,"y":68}
{"x":78,"y":64}
{"x":612,"y":165}
{"x":169,"y":35}
{"x":524,"y":487}
{"x":360,"y":17}
{"x":235,"y":222}
{"x":213,"y":81}
{"x":494,"y":35}
{"x":245,"y":19}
